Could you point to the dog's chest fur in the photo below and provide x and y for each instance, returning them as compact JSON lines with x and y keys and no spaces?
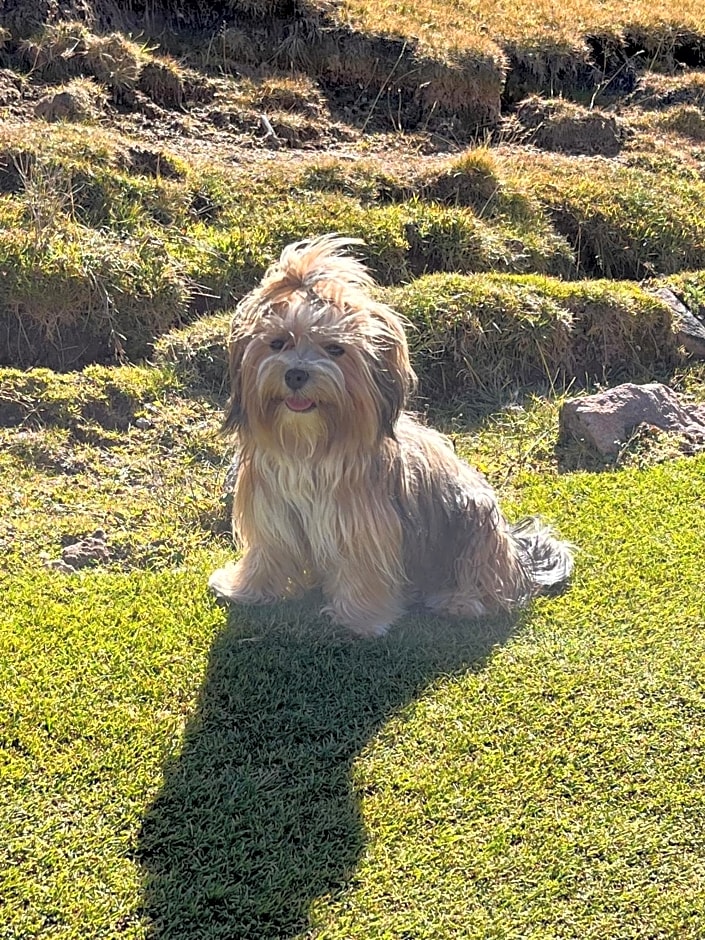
{"x":307,"y":506}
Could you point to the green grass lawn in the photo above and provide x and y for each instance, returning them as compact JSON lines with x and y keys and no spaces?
{"x":172,"y":771}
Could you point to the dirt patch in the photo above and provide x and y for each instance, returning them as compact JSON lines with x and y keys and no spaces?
{"x":153,"y":162}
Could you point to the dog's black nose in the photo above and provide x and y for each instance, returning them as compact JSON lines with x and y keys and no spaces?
{"x":295,"y":378}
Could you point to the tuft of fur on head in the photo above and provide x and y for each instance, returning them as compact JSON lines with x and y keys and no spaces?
{"x":314,"y":312}
{"x":320,"y":265}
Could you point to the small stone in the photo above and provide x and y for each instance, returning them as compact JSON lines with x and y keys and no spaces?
{"x":87,"y":552}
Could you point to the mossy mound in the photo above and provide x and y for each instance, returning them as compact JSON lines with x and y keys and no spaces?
{"x":80,"y":295}
{"x":488,"y":335}
{"x":198,"y":354}
{"x":624,"y":222}
{"x":111,"y":397}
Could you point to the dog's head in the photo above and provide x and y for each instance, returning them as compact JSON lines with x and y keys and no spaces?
{"x":314,"y":360}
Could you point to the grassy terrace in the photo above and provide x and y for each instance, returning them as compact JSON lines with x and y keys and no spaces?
{"x":102,"y":255}
{"x":450,"y":29}
{"x":524,"y":178}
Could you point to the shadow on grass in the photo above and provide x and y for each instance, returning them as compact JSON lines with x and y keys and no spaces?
{"x":257,"y":815}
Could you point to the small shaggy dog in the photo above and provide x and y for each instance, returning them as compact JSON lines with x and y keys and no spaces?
{"x":338,"y":487}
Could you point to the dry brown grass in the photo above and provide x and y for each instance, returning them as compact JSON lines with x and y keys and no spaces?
{"x":450,"y":29}
{"x":68,"y":49}
{"x":685,"y":119}
{"x":558,"y":124}
{"x":163,"y":80}
{"x":81,"y":99}
{"x":659,"y":91}
{"x":462,"y":58}
{"x":296,"y":92}
{"x":114,"y":60}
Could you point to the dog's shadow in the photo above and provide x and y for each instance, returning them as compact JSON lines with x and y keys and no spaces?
{"x":257,"y":816}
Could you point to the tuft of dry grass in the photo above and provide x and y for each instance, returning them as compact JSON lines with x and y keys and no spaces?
{"x":557,"y":124}
{"x":114,"y":60}
{"x":411,"y":81}
{"x":56,"y":52}
{"x":685,"y":119}
{"x":657,"y":90}
{"x":473,"y":179}
{"x":162,"y":79}
{"x":80,"y":99}
{"x":296,"y":92}
{"x":66,"y":49}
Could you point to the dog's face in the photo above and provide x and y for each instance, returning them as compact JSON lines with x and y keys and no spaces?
{"x":310,"y":372}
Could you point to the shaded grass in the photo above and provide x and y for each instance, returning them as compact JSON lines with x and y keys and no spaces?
{"x":122,"y":453}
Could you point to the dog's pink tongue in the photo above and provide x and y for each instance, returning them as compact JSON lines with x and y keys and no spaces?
{"x":299,"y":404}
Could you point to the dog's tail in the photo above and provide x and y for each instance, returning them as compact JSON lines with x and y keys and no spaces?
{"x":548,"y":559}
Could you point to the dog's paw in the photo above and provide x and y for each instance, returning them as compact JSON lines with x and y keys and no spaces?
{"x":360,"y":626}
{"x":227,"y":586}
{"x":455,"y":604}
{"x":220,"y":583}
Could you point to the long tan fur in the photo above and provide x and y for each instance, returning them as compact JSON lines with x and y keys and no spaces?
{"x":338,"y":487}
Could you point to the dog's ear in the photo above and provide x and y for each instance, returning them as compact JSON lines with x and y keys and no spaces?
{"x":234,"y":412}
{"x":394,"y":377}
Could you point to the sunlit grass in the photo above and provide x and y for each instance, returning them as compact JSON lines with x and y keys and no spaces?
{"x":169,"y":771}
{"x":450,"y":29}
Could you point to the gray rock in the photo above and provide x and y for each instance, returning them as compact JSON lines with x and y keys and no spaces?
{"x":607,"y":420}
{"x":691,"y":331}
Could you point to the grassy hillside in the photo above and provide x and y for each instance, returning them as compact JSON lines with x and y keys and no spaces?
{"x":524,"y":177}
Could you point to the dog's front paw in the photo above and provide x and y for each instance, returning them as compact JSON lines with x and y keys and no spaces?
{"x":361,"y":624}
{"x":228,"y":585}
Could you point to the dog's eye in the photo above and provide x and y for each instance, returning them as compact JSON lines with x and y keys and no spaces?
{"x":277,"y":344}
{"x":334,"y":350}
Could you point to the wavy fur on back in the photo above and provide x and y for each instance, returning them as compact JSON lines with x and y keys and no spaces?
{"x":339,"y":488}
